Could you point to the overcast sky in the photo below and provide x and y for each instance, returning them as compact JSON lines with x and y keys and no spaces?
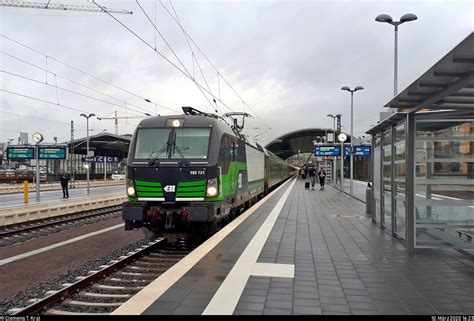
{"x":287,"y":60}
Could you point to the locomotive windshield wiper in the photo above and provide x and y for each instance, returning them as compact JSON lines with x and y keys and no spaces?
{"x":175,"y":146}
{"x":158,"y":153}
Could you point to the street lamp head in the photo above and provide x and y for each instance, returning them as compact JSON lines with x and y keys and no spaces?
{"x":346,"y":88}
{"x":408,"y":17}
{"x":90,"y":115}
{"x":330,"y":115}
{"x":358,"y":88}
{"x":384,"y":18}
{"x":84,"y":115}
{"x":338,"y":115}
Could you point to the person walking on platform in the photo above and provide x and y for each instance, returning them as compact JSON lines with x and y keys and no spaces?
{"x":64,"y":184}
{"x":322,"y":178}
{"x":312,"y":176}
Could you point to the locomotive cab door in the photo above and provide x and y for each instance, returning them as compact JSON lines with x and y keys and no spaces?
{"x":232,"y":176}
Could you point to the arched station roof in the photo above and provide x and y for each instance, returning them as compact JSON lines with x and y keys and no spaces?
{"x":301,"y":140}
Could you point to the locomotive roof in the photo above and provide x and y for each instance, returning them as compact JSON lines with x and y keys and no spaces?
{"x":188,"y":121}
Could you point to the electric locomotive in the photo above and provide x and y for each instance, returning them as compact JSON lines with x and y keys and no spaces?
{"x":194,"y":171}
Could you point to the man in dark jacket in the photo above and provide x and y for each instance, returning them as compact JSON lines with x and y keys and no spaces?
{"x":322,"y":178}
{"x":64,"y":184}
{"x":312,"y":176}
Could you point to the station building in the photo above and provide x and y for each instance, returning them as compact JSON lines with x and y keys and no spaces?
{"x":103,"y":144}
{"x":423,"y":157}
{"x":297,"y":147}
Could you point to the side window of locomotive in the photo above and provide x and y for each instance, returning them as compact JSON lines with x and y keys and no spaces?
{"x":151,"y":142}
{"x":191,"y":143}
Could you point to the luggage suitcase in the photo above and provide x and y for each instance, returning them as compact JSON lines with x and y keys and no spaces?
{"x":306,"y":185}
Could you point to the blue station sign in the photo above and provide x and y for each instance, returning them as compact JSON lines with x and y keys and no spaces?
{"x":327,"y":151}
{"x":361,"y":150}
{"x":101,"y":159}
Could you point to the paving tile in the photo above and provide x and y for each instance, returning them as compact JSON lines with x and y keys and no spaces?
{"x":188,"y":311}
{"x":279,"y":304}
{"x":335,"y":308}
{"x":306,"y":295}
{"x":280,"y":296}
{"x":363,"y":306}
{"x":252,"y":298}
{"x":365,"y":312}
{"x":275,"y":311}
{"x":301,"y":309}
{"x":247,"y":312}
{"x":307,"y":302}
{"x":250,"y":306}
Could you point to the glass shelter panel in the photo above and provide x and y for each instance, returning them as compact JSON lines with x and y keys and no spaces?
{"x":400,"y":171}
{"x":444,"y":200}
{"x":387,"y":179}
{"x":377,"y":178}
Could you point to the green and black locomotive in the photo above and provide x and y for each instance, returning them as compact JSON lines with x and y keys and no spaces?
{"x":193,"y":172}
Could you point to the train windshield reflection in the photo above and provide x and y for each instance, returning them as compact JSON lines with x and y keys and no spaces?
{"x":191,"y":143}
{"x":151,"y":143}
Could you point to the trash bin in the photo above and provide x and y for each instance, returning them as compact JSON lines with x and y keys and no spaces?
{"x":368,"y":199}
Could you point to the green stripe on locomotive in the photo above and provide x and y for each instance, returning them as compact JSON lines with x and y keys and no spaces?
{"x":229,"y":182}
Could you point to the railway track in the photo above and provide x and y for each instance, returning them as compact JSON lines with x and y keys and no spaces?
{"x":15,"y":233}
{"x":104,"y":290}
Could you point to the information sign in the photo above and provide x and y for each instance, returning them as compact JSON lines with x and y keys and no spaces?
{"x":52,"y":153}
{"x":362,"y":150}
{"x":101,"y":159}
{"x":19,"y":153}
{"x":327,"y":151}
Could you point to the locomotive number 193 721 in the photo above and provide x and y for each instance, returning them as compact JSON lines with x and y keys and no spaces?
{"x":197,"y":172}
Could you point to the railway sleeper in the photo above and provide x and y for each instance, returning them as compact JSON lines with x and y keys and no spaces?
{"x":118,"y":280}
{"x":84,"y":304}
{"x":137,"y":274}
{"x":157,"y":264}
{"x":146,"y":269}
{"x":104,"y":296}
{"x":62,"y":312}
{"x":117,"y":288}
{"x":161,"y":259}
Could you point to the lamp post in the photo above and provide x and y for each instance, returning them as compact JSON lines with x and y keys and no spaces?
{"x":405,"y":18}
{"x":352,"y":130}
{"x":87,"y":141}
{"x":334,"y":142}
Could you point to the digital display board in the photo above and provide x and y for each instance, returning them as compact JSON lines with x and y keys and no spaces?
{"x":18,"y":153}
{"x":52,"y":153}
{"x":327,"y":151}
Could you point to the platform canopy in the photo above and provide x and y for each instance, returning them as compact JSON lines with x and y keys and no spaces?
{"x":299,"y":141}
{"x":449,"y":84}
{"x":104,"y":144}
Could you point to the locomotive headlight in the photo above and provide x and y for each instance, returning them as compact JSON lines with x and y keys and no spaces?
{"x":130,"y":188}
{"x":212,"y":187}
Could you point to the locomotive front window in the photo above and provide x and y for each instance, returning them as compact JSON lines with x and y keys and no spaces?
{"x":191,"y":143}
{"x":151,"y":143}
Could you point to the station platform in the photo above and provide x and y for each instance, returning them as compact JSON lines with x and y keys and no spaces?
{"x":315,"y":252}
{"x":8,"y":201}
